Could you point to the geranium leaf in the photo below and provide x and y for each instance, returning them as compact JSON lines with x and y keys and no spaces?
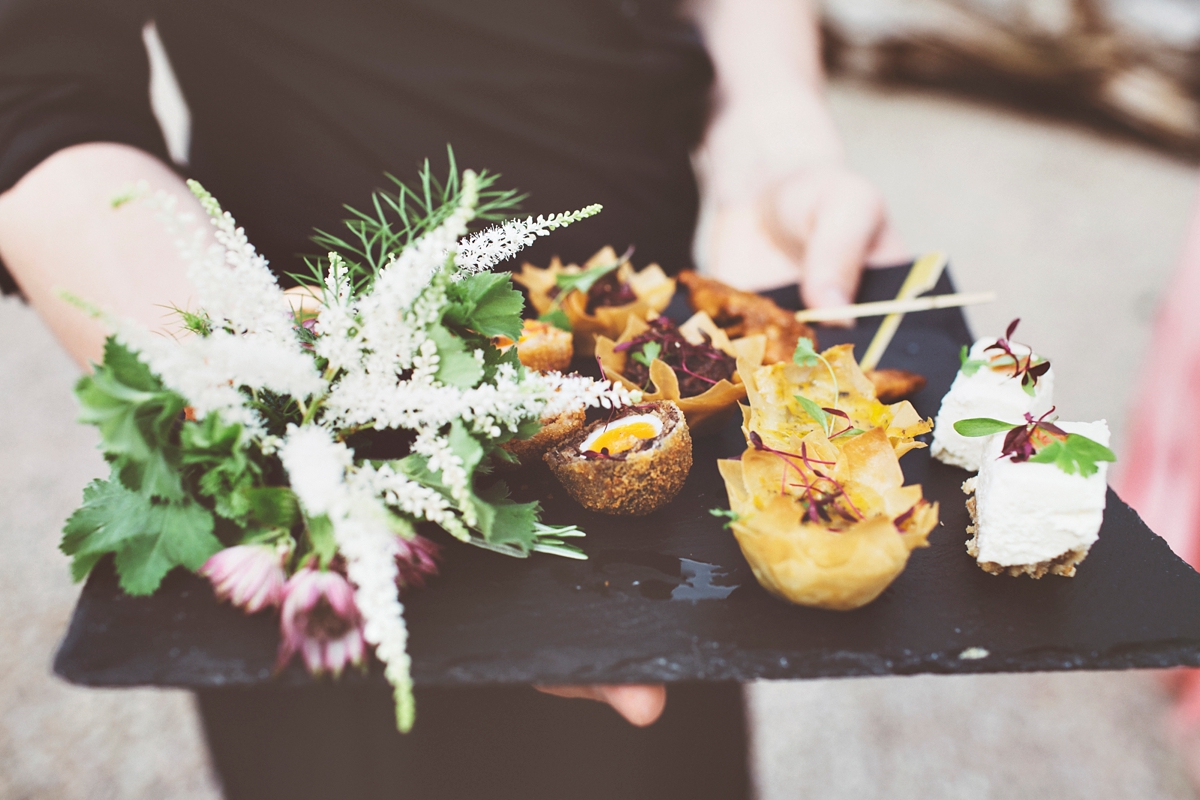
{"x":456,"y":366}
{"x":486,"y":303}
{"x":981,"y":426}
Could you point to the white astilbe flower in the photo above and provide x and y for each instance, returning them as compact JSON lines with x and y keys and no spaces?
{"x":322,"y":475}
{"x":487,"y":248}
{"x":234,"y":285}
{"x":208,"y":371}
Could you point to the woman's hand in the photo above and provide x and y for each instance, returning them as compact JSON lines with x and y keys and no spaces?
{"x":818,"y":226}
{"x":640,"y":705}
{"x":781,"y":206}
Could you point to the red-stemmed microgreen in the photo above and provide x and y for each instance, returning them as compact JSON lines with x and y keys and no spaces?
{"x":698,"y":366}
{"x":1041,"y":441}
{"x":1028,"y":369}
{"x":820,"y":503}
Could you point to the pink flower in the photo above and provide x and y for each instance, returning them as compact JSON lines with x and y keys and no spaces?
{"x":320,"y":620}
{"x":415,"y":558}
{"x":250,"y":576}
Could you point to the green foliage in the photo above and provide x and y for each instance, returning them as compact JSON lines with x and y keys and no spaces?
{"x":584,"y":281}
{"x":457,"y":365}
{"x":969,"y":366}
{"x":149,"y":537}
{"x":397,"y":219}
{"x":981,"y":426}
{"x":215,"y":456}
{"x":320,"y":537}
{"x":730,"y":515}
{"x":649,"y":352}
{"x":485,"y":303}
{"x":558,"y":318}
{"x":137,"y":418}
{"x":816,"y":412}
{"x":1074,"y":454}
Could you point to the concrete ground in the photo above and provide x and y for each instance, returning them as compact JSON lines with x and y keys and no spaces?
{"x":1077,"y":233}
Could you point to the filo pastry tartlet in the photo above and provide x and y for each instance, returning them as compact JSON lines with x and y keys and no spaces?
{"x":630,"y":464}
{"x":693,"y":364}
{"x":609,"y":302}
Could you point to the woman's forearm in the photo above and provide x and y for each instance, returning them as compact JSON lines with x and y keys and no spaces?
{"x":771,"y":117}
{"x":60,"y":231}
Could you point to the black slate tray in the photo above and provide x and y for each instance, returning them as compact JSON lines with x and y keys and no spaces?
{"x":669,"y":597}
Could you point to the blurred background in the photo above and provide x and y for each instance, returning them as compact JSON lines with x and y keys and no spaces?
{"x":1049,"y":146}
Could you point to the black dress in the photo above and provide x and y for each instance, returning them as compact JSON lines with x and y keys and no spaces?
{"x":301,"y":106}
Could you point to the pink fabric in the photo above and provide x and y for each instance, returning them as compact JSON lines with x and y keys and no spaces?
{"x":1159,"y":473}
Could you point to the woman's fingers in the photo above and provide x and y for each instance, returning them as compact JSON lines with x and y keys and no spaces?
{"x":640,"y":705}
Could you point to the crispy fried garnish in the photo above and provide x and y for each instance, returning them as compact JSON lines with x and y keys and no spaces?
{"x":893,"y":385}
{"x":746,"y":314}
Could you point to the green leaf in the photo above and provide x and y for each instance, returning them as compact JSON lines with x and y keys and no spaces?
{"x":730,"y":515}
{"x":962,"y":355}
{"x":1028,"y":387}
{"x":805,"y":355}
{"x":585,"y":280}
{"x":1074,"y":454}
{"x":649,"y":352}
{"x":456,"y":365}
{"x":558,"y":318}
{"x":320,"y":535}
{"x":971,"y":366}
{"x":273,"y":506}
{"x":981,"y":426}
{"x":137,"y":419}
{"x":505,"y":522}
{"x":149,"y":538}
{"x":486,"y":303}
{"x":216,"y":456}
{"x":816,"y":412}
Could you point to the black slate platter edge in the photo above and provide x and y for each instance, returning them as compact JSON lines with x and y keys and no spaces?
{"x":181,"y":637}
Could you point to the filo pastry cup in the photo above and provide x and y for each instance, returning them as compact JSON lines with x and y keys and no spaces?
{"x":706,"y":412}
{"x":845,"y":561}
{"x":650,"y":285}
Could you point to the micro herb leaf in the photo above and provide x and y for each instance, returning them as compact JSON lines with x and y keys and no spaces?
{"x":649,"y":352}
{"x":1075,"y":453}
{"x":585,"y":280}
{"x":981,"y":426}
{"x":558,"y":318}
{"x":816,"y":412}
{"x":730,"y":515}
{"x":962,"y":355}
{"x":805,"y":355}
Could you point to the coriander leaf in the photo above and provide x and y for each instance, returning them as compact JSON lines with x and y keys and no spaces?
{"x":649,"y":352}
{"x":486,"y":303}
{"x":816,"y":412}
{"x":1075,"y":453}
{"x":558,"y":318}
{"x":805,"y":355}
{"x":456,"y":366}
{"x":981,"y":426}
{"x":585,"y":280}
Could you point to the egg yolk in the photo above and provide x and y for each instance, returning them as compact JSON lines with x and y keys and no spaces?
{"x":620,"y":438}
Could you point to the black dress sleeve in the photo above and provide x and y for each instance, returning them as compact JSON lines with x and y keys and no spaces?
{"x":71,"y":71}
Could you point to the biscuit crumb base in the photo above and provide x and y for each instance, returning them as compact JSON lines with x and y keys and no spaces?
{"x":1063,"y":565}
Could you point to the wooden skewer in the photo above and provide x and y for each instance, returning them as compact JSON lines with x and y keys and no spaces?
{"x":923,"y":276}
{"x":882,"y":307}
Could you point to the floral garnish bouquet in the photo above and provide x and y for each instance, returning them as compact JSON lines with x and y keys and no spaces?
{"x":233,"y":445}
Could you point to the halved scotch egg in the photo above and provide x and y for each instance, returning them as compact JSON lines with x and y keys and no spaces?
{"x":631,"y":464}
